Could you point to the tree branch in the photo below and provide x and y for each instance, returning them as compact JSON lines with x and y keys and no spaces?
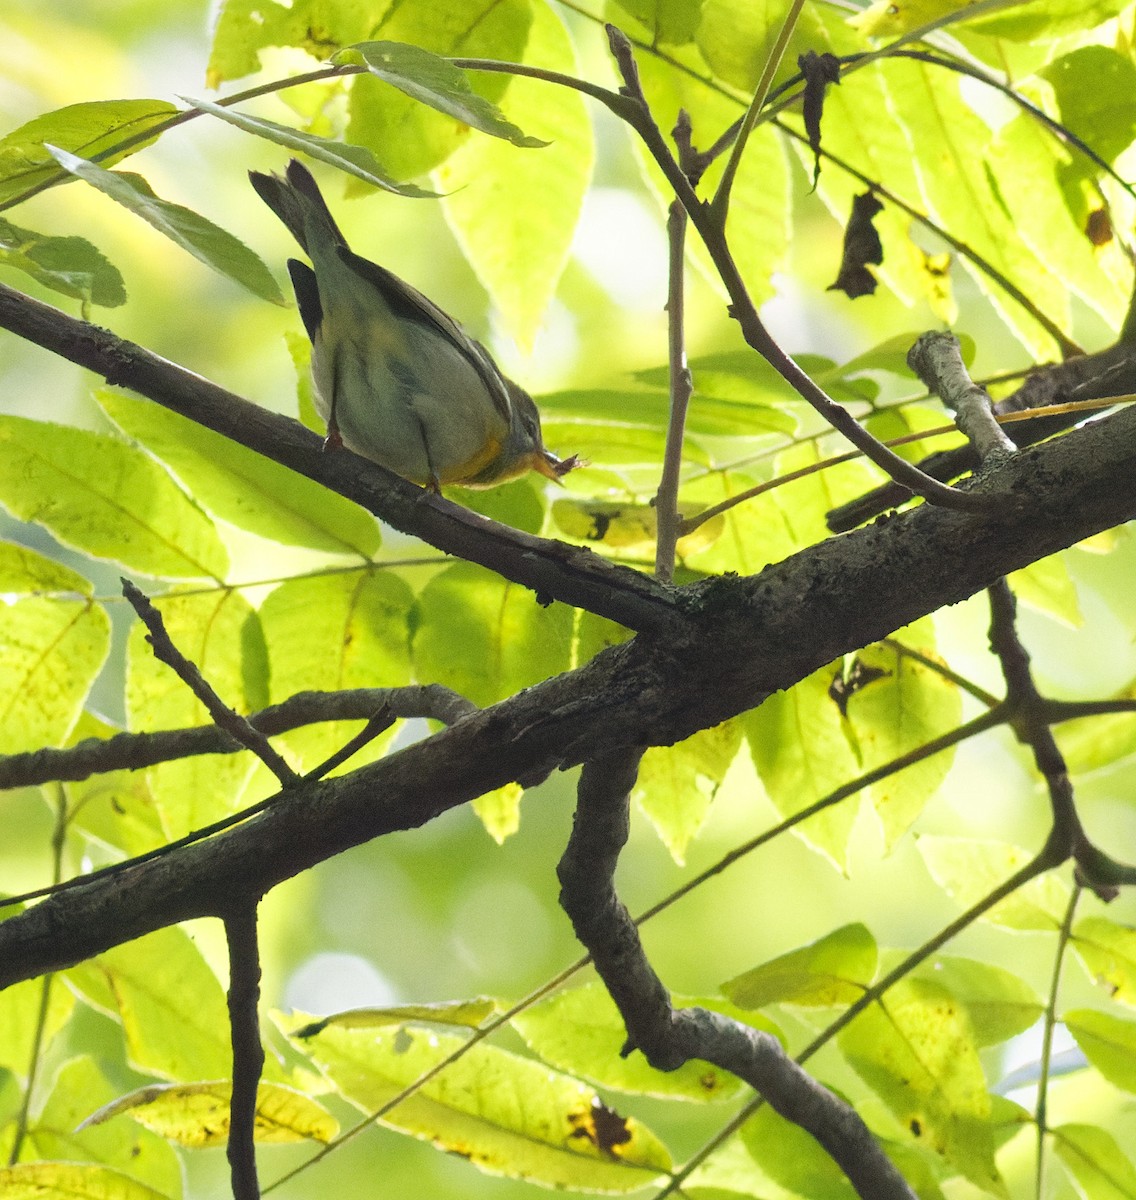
{"x":553,"y":570}
{"x":668,"y":1038}
{"x":133,"y":751}
{"x":742,"y":638}
{"x":248,"y":1051}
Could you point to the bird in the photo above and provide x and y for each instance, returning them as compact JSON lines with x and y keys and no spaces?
{"x":398,"y":380}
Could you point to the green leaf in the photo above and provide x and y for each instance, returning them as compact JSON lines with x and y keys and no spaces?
{"x":883,"y":18}
{"x":485,"y":637}
{"x":1044,"y":222}
{"x":244,"y":487}
{"x":735,"y":40}
{"x":1108,"y":951}
{"x":677,"y":784}
{"x":20,"y":1012}
{"x":1047,"y":586}
{"x":507,"y":1115}
{"x":968,"y":869}
{"x":999,"y":1003}
{"x":353,"y":160}
{"x":89,"y":129}
{"x":907,"y":706}
{"x":361,"y":639}
{"x":209,"y":628}
{"x":760,"y":208}
{"x":1109,"y":1044}
{"x":24,"y":572}
{"x":53,"y":652}
{"x":1092,"y":86}
{"x":411,"y":136}
{"x":579,"y":1030}
{"x":628,"y":529}
{"x":436,"y":82}
{"x":71,"y":1181}
{"x":208,"y":243}
{"x":959,"y":193}
{"x":469,"y":1014}
{"x":500,"y":811}
{"x":197,"y":1114}
{"x":668,"y":22}
{"x":916,"y":1049}
{"x":1044,"y":19}
{"x":1094,"y":1159}
{"x":69,"y":265}
{"x":107,"y":499}
{"x":242,"y":28}
{"x":834,"y":970}
{"x":113,"y":808}
{"x":55,"y":1131}
{"x":519,"y":241}
{"x":793,"y":1159}
{"x":170,"y":1004}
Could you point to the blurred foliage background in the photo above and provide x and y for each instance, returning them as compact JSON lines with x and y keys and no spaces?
{"x":444,"y":911}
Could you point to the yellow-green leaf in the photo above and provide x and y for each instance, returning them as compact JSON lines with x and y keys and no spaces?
{"x":356,"y":161}
{"x":197,"y":1114}
{"x":968,"y":869}
{"x":53,"y":650}
{"x":360,"y":640}
{"x":580,"y":1030}
{"x":835,"y":969}
{"x":676,"y":784}
{"x":915,"y":1048}
{"x":1000,"y":1004}
{"x":211,"y":629}
{"x":1108,"y":951}
{"x":409,"y":136}
{"x":208,"y":243}
{"x":170,"y":1003}
{"x":71,"y":1181}
{"x":1109,"y":1044}
{"x":55,"y":1134}
{"x":106,"y":498}
{"x":243,"y":487}
{"x":434,"y":81}
{"x":1095,"y":1160}
{"x":500,"y":811}
{"x":506,"y":1114}
{"x":514,"y":213}
{"x":485,"y":637}
{"x":88,"y":128}
{"x":471,"y":1014}
{"x":24,"y":571}
{"x":20,"y":1011}
{"x":69,"y":265}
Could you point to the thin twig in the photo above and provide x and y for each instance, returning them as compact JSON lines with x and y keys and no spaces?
{"x":720,"y":204}
{"x":752,"y":327}
{"x":226,"y":718}
{"x":666,"y":499}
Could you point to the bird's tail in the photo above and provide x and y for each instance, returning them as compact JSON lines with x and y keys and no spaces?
{"x":296,"y":199}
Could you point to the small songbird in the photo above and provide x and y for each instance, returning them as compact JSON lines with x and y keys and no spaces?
{"x":397,"y":380}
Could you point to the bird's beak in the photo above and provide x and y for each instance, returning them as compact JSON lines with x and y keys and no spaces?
{"x":551,"y":467}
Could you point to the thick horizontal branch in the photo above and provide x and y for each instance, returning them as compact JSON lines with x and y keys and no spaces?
{"x":554,"y":570}
{"x":740,"y":640}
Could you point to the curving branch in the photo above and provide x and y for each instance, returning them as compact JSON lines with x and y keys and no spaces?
{"x":669,"y":1037}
